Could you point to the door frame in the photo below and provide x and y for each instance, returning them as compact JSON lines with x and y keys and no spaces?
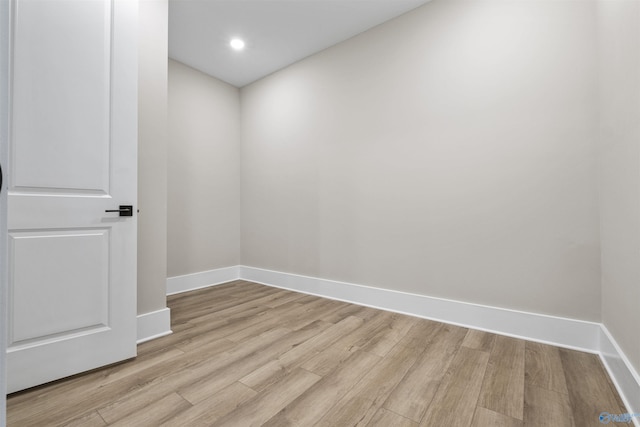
{"x":5,"y":20}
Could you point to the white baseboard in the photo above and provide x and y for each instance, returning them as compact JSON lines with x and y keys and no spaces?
{"x":190,"y":282}
{"x":580,"y":335}
{"x":622,"y":373}
{"x":154,"y":325}
{"x":563,"y":332}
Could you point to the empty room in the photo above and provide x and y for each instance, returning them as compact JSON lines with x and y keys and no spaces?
{"x":320,"y":213}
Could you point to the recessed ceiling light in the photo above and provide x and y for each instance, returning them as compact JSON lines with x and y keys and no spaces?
{"x":237,"y":44}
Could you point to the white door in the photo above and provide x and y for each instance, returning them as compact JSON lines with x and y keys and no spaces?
{"x":4,"y":132}
{"x":73,"y":156}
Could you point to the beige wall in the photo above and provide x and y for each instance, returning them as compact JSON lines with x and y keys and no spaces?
{"x":619,"y":41}
{"x":152,"y":155}
{"x":204,"y":172}
{"x":450,"y":153}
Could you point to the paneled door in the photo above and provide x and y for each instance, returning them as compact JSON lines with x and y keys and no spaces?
{"x":72,"y":159}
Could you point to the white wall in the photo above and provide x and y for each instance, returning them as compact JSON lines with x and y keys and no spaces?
{"x":152,"y":155}
{"x":619,"y":153}
{"x":204,"y":172}
{"x":449,"y":152}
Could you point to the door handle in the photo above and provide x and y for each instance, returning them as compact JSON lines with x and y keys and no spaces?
{"x":125,"y":210}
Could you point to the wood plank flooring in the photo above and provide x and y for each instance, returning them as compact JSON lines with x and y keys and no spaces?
{"x":244,"y":354}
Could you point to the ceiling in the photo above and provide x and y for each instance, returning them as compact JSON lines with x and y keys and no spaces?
{"x":277,"y":32}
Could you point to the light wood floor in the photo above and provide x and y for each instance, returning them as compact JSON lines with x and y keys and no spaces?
{"x":244,"y":354}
